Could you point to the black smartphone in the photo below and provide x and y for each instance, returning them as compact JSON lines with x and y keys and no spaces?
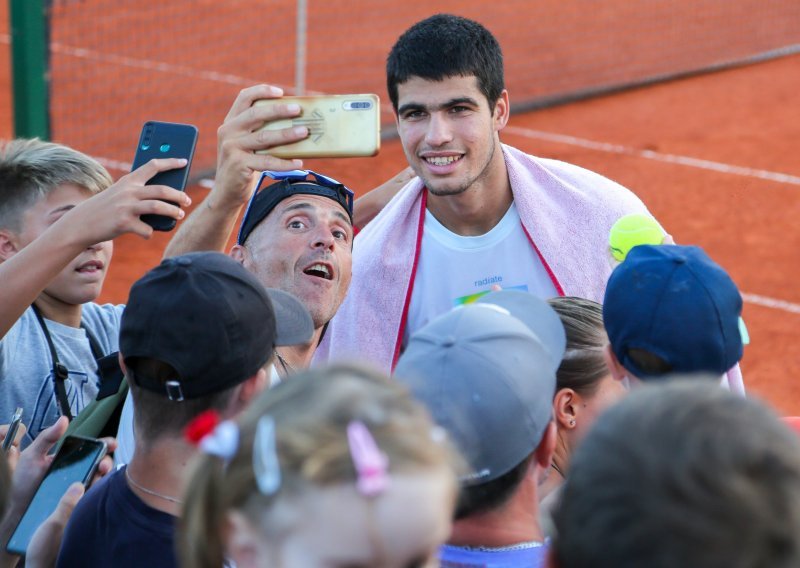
{"x":166,"y":140}
{"x":76,"y":460}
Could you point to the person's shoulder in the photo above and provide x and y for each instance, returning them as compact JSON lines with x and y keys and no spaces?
{"x":102,"y":317}
{"x":573,"y":174}
{"x":104,"y":311}
{"x":577,"y":174}
{"x":24,"y":322}
{"x":99,"y":493}
{"x":16,"y":343}
{"x":83,"y":533}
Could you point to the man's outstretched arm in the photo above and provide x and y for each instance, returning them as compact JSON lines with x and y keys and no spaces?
{"x":210,"y":225}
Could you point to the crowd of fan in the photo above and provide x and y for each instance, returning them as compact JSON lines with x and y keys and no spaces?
{"x":573,"y":412}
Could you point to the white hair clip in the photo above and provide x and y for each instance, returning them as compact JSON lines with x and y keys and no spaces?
{"x":266,"y":465}
{"x":223,"y":441}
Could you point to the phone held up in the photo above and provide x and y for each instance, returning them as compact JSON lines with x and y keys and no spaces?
{"x":77,"y":460}
{"x":166,"y":140}
{"x":13,"y":426}
{"x":340,"y":126}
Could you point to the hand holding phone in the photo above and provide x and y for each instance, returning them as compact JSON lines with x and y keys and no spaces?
{"x":340,"y":126}
{"x":76,"y":460}
{"x":166,"y":140}
{"x":13,"y":426}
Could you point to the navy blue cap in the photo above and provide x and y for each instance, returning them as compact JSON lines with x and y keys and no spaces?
{"x":211,"y":320}
{"x":676,"y":303}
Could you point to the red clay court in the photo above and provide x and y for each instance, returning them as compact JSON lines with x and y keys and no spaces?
{"x":714,"y":157}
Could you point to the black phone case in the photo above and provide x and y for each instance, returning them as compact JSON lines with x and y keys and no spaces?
{"x":166,"y":140}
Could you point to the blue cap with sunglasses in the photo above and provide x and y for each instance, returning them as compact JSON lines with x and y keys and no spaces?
{"x":287,"y":184}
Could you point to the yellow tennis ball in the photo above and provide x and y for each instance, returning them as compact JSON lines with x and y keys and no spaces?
{"x":632,"y":230}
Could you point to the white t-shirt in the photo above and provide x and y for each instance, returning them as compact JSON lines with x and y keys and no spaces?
{"x":455,"y":270}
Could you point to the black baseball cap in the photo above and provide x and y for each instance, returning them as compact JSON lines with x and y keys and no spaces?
{"x":211,"y":320}
{"x":290,"y":183}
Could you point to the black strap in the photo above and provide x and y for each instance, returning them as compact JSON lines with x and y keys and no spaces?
{"x":97,"y":351}
{"x":60,"y":371}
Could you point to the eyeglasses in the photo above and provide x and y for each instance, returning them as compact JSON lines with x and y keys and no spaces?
{"x":339,"y":193}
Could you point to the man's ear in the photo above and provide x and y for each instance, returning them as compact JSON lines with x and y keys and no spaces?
{"x":613,"y":364}
{"x":9,"y":244}
{"x":240,"y":254}
{"x":251,"y":387}
{"x":122,"y":364}
{"x":547,"y":446}
{"x":502,"y":111}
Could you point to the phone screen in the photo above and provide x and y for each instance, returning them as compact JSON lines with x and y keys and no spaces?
{"x":76,"y":460}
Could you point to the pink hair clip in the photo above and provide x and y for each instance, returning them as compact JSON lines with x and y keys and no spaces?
{"x":370,"y":463}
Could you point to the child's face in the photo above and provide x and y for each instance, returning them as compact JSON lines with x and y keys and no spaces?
{"x":82,"y":279}
{"x":336,"y":527}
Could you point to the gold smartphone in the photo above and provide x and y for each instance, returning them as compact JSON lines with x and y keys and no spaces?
{"x":340,"y":126}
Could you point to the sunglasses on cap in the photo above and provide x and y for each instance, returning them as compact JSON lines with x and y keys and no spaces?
{"x":294,"y":182}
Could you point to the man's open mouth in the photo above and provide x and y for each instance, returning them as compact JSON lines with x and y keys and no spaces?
{"x":320,"y":271}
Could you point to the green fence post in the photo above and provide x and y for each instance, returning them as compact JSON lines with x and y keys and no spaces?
{"x":29,"y":69}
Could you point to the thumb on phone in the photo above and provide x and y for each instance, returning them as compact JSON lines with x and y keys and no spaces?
{"x":46,"y":541}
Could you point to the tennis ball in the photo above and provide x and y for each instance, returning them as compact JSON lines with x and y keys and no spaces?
{"x":632,"y":230}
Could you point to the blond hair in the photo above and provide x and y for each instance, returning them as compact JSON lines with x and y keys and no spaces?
{"x":311,"y":413}
{"x":30,"y":169}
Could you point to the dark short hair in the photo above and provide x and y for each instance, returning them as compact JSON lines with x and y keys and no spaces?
{"x":445,"y":46}
{"x":475,"y":499}
{"x":682,"y":474}
{"x":156,"y":415}
{"x":651,"y":364}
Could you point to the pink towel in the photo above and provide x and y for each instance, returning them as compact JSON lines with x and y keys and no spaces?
{"x":566,"y":210}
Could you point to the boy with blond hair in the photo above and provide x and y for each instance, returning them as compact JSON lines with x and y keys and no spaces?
{"x":58,"y":214}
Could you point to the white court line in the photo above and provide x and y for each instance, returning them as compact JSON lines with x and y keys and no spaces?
{"x":526,"y":132}
{"x":651,"y":155}
{"x":183,"y":70}
{"x":755,"y":299}
{"x":161,"y":66}
{"x":771,"y":303}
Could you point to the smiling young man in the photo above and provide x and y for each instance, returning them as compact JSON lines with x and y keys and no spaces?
{"x":480,"y":213}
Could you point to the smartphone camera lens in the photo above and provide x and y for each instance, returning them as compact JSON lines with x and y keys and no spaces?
{"x":164,"y":147}
{"x":357,"y":105}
